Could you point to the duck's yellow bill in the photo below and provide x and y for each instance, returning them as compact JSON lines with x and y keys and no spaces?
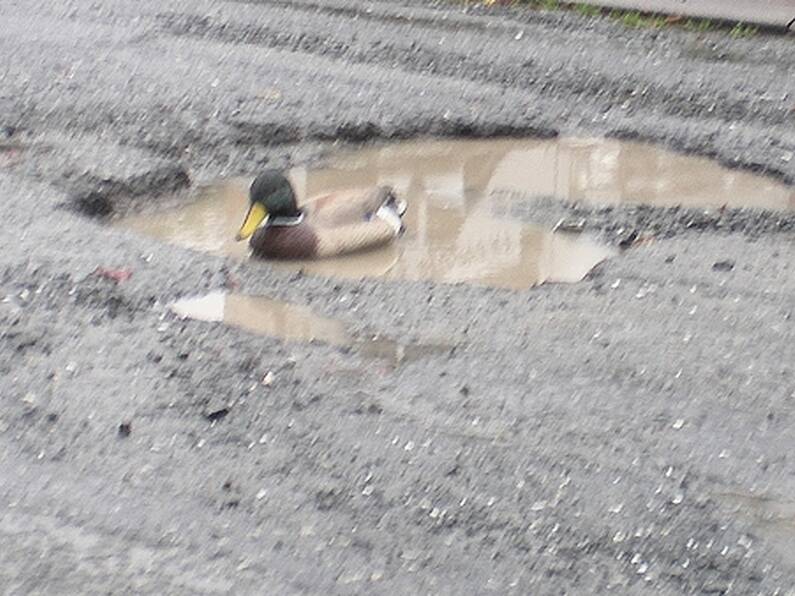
{"x":256,"y":213}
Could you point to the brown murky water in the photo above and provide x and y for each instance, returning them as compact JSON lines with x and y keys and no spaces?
{"x":448,"y":239}
{"x":297,"y":323}
{"x":451,"y":186}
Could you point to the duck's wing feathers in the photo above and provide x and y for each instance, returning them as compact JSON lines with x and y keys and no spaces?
{"x":305,"y":241}
{"x":354,"y":237}
{"x":347,"y":207}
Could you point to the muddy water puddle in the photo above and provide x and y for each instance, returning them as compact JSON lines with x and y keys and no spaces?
{"x":298,"y":323}
{"x":448,"y":238}
{"x":452,"y":186}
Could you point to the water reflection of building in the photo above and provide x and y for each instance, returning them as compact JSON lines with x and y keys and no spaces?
{"x":282,"y":319}
{"x":452,"y":235}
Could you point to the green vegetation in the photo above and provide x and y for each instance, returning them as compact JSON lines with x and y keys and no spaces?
{"x":741,"y":30}
{"x":637,"y":20}
{"x":588,"y":10}
{"x":699,"y":25}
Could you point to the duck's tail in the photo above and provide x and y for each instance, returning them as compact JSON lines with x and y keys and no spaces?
{"x":396,"y":203}
{"x":392,"y":210}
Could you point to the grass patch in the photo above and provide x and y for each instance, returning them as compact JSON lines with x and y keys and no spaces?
{"x":588,"y":10}
{"x":637,"y":20}
{"x":741,"y":30}
{"x":536,"y":4}
{"x":699,"y":25}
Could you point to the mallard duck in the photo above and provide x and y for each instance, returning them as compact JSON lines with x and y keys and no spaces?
{"x":326,"y":226}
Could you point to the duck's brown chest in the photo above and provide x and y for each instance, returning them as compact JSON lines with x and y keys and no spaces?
{"x":285,"y":242}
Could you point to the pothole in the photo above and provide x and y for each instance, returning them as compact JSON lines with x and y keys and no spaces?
{"x":453,"y":189}
{"x":297,"y":323}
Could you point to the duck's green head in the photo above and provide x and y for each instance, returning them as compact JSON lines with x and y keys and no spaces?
{"x":270,"y":194}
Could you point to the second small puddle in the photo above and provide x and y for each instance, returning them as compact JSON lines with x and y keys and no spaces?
{"x":293,"y":322}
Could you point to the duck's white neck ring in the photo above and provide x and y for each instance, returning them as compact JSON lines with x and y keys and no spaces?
{"x":283,"y":222}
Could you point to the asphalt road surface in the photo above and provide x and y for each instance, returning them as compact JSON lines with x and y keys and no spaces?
{"x":630,"y":434}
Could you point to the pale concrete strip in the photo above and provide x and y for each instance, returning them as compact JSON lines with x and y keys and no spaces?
{"x":771,"y":13}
